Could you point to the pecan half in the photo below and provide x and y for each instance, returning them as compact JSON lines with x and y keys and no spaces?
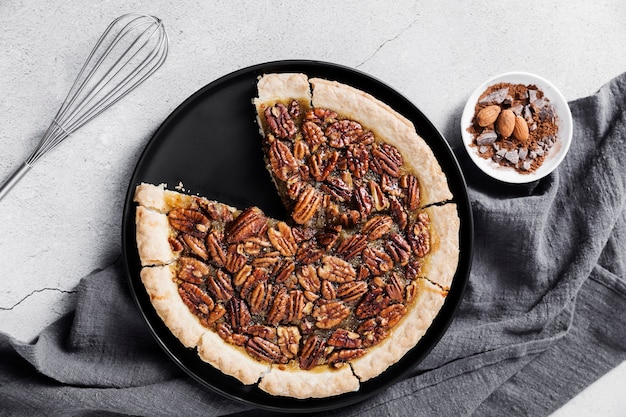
{"x":189,"y":221}
{"x":328,"y":291}
{"x":377,"y":226}
{"x":390,"y":185}
{"x":379,"y":199}
{"x":357,"y":160}
{"x":364,"y":201}
{"x":242,"y":275}
{"x":413,"y":269}
{"x":250,"y":223}
{"x":312,"y":352}
{"x":321,"y":116}
{"x":372,"y":304}
{"x":197,"y":301}
{"x":283,"y":271}
{"x":196,"y":245}
{"x":264,"y":332}
{"x":328,"y":236}
{"x":284,"y":164}
{"x":214,"y":247}
{"x":337,"y":188}
{"x":352,"y":246}
{"x":377,"y":260}
{"x":282,"y":239}
{"x":295,"y":306}
{"x":308,"y":279}
{"x":338,"y":357}
{"x":351,"y":291}
{"x":330,"y":314}
{"x":419,"y":236}
{"x":257,"y":275}
{"x":192,"y":270}
{"x":225,"y":332}
{"x":386,"y":159}
{"x":300,"y":151}
{"x":343,"y":338}
{"x":411,"y":183}
{"x":264,"y":350}
{"x":343,"y":132}
{"x":239,"y":314}
{"x":371,"y":332}
{"x":336,"y":270}
{"x":267,"y":260}
{"x":350,"y":218}
{"x":309,"y":252}
{"x":220,"y":286}
{"x":280,"y":121}
{"x":322,"y":163}
{"x":395,"y":288}
{"x":260,"y":297}
{"x":289,"y":341}
{"x":313,"y":135}
{"x":216,"y":211}
{"x":398,"y":248}
{"x":234,"y":259}
{"x":279,"y":311}
{"x":398,"y":213}
{"x":390,"y":316}
{"x":307,"y":205}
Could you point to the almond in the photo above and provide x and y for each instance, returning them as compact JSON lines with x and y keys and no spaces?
{"x":520,"y":130}
{"x":506,"y":123}
{"x":488,"y":115}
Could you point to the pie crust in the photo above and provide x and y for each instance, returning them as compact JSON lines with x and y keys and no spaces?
{"x":169,"y":276}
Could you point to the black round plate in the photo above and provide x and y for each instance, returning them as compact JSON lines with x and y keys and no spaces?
{"x":211,"y":144}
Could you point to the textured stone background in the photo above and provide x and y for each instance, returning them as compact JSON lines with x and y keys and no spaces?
{"x":64,"y":219}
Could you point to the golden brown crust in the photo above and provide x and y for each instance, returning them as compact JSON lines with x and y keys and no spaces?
{"x":443,"y":260}
{"x":301,"y":384}
{"x":153,"y":232}
{"x":391,"y":127}
{"x":230,"y":359}
{"x":163,"y":292}
{"x":405,"y":335}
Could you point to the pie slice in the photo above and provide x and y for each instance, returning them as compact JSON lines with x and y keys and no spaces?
{"x":313,"y":305}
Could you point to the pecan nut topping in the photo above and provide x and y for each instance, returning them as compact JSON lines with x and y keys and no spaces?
{"x":313,"y":135}
{"x":357,"y":158}
{"x":264,"y":350}
{"x":284,"y":164}
{"x":377,"y":226}
{"x":343,"y":338}
{"x":337,"y":358}
{"x":411,"y":183}
{"x":419,"y":236}
{"x":312,"y":352}
{"x":282,"y":238}
{"x":280,"y":121}
{"x":250,"y":223}
{"x":330,"y":314}
{"x":398,"y":248}
{"x":372,"y":304}
{"x":192,"y":270}
{"x":239,"y":314}
{"x":220,"y":286}
{"x":307,"y":205}
{"x":322,"y":163}
{"x":196,"y":245}
{"x":189,"y":221}
{"x":215,"y":249}
{"x":386,"y":159}
{"x":351,"y":291}
{"x":289,"y":341}
{"x":377,"y":260}
{"x":199,"y":302}
{"x":336,"y":270}
{"x":352,"y":246}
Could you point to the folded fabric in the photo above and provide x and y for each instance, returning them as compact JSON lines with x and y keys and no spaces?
{"x":543,"y":316}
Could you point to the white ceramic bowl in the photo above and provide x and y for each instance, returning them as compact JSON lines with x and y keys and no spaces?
{"x":555,"y":154}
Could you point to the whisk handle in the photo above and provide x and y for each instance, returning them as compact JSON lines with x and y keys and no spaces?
{"x":13,"y":179}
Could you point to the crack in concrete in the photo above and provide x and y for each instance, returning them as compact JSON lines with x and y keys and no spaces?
{"x":385,"y":42}
{"x":36,"y":292}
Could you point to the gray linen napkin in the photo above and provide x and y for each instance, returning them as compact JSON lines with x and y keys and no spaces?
{"x":543,"y":316}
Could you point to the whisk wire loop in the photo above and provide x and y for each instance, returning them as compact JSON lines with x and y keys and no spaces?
{"x":129,"y":51}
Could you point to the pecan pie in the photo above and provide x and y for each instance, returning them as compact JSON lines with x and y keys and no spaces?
{"x":312,"y":305}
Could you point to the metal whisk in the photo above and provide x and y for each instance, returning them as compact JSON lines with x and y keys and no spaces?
{"x":132,"y":48}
